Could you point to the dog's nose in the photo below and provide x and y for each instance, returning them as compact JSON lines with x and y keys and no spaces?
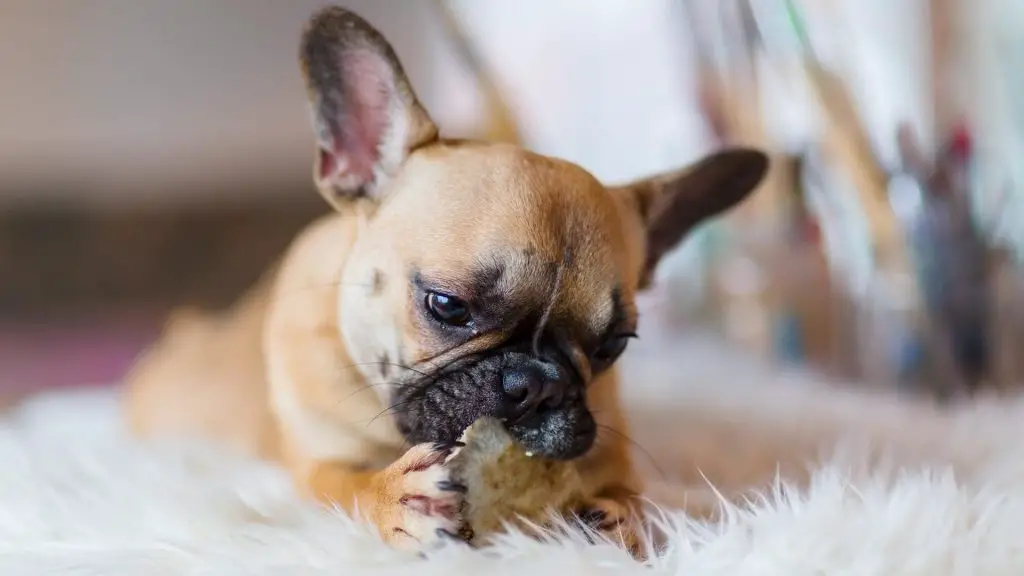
{"x":535,"y":387}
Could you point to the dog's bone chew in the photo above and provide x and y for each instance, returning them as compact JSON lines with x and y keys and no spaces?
{"x":506,"y":486}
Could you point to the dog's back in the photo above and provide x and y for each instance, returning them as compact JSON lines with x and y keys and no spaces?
{"x":205,"y":378}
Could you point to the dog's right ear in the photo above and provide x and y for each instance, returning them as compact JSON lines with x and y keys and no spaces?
{"x":672,"y":204}
{"x":366,"y":117}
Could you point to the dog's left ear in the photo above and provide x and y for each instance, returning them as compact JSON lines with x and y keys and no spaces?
{"x":366,"y":116}
{"x":671,"y":205}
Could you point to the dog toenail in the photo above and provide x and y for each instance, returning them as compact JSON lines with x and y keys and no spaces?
{"x":593,"y":517}
{"x":449,"y":486}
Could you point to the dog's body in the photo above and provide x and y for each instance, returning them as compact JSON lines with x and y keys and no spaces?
{"x":457,"y":280}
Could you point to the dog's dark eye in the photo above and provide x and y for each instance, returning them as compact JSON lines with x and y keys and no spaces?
{"x":611,"y":350}
{"x":447,"y":309}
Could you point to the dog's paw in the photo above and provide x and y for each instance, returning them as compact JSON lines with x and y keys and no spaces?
{"x":612,"y":520}
{"x":419,"y":504}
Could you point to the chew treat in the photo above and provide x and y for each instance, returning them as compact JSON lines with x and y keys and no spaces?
{"x":506,"y":485}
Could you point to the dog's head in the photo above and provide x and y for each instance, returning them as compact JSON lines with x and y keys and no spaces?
{"x":485,"y":279}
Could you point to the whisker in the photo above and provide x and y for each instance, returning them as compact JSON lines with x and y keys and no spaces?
{"x":365,"y":388}
{"x":392,"y":409}
{"x":418,"y":393}
{"x":440,"y":354}
{"x":383,"y":363}
{"x":394,"y":365}
{"x":398,"y":384}
{"x":637,"y":445}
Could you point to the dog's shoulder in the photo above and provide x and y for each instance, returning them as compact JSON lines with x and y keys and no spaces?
{"x":316,"y":255}
{"x":307,"y":276}
{"x":207,"y":364}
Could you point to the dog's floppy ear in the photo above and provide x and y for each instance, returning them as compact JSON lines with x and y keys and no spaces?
{"x":366,"y":117}
{"x":671,"y":205}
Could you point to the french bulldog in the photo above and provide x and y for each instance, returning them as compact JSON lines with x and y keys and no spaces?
{"x":455,"y":279}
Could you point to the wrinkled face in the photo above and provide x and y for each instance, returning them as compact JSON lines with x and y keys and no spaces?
{"x":502,"y":284}
{"x":484,"y":280}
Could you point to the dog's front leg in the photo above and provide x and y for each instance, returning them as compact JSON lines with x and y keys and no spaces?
{"x":612,"y":507}
{"x":614,"y":513}
{"x":413,"y":503}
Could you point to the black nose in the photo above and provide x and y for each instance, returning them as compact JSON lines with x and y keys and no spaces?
{"x":535,"y":387}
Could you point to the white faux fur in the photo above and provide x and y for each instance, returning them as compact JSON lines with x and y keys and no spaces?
{"x":934,"y":494}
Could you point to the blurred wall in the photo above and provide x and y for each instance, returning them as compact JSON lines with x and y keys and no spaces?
{"x":106,"y":95}
{"x":156,"y":152}
{"x":995,"y":61}
{"x":609,"y":84}
{"x":128,"y":101}
{"x":143,"y":102}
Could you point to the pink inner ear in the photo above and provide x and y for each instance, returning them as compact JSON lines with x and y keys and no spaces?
{"x":364,"y":118}
{"x":328,"y":164}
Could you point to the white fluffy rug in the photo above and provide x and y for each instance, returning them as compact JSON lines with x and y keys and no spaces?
{"x":78,"y":497}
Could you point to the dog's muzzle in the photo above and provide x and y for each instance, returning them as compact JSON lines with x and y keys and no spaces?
{"x":546,"y":410}
{"x":542,"y":403}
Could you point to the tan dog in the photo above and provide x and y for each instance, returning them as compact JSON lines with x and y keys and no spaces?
{"x":457,"y":280}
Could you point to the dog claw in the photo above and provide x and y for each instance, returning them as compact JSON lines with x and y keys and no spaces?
{"x":446,"y":535}
{"x":420,"y":504}
{"x":593,"y":518}
{"x":447,"y":448}
{"x":449,"y":486}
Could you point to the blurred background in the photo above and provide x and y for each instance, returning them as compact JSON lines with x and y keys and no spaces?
{"x":155,"y":153}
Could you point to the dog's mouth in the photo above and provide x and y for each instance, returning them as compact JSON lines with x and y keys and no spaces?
{"x":441,"y":407}
{"x":558,"y":435}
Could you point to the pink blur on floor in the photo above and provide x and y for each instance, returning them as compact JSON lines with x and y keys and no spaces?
{"x":75,"y":353}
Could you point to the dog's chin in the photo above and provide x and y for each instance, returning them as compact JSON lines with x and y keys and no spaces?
{"x":557,"y":435}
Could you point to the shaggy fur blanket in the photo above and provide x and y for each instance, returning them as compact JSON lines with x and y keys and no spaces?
{"x":805,"y":480}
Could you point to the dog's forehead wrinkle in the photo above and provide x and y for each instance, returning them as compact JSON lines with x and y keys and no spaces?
{"x":563,"y":288}
{"x":558,"y":275}
{"x":486,"y":276}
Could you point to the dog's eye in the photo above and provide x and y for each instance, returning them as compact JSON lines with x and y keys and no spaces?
{"x":611,"y":350}
{"x":447,"y":309}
